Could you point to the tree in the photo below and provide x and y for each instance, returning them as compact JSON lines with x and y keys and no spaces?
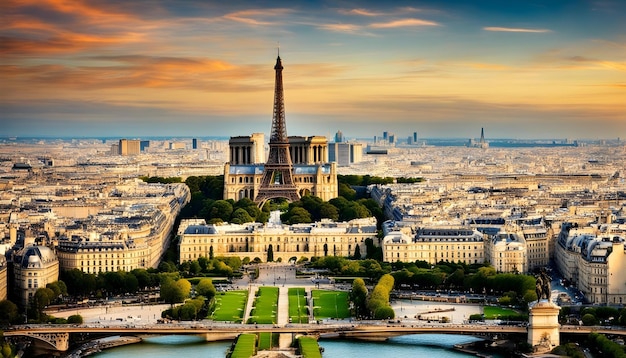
{"x":296,"y":215}
{"x":9,"y":312}
{"x":358,"y":295}
{"x":357,"y":252}
{"x":270,"y":253}
{"x":75,"y":319}
{"x":329,"y":211}
{"x":241,"y":216}
{"x":346,"y":191}
{"x":589,"y":320}
{"x":205,"y":288}
{"x":221,"y":209}
{"x":42,"y":298}
{"x":174,"y":291}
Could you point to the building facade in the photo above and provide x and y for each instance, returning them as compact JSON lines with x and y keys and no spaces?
{"x":129,"y":147}
{"x":4,"y":274}
{"x":34,"y":267}
{"x":287,"y":242}
{"x":125,"y":238}
{"x":434,"y":245}
{"x":593,"y":258}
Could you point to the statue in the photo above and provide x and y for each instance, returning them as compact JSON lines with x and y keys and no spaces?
{"x":542,"y":286}
{"x":547,"y":287}
{"x":539,"y":287}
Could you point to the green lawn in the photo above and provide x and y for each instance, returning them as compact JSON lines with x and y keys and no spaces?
{"x":493,"y":312}
{"x":230,"y":306}
{"x":265,"y":306}
{"x":244,"y":348}
{"x":330,"y":304}
{"x":268,"y":340}
{"x":298,"y":311}
{"x":309,"y":347}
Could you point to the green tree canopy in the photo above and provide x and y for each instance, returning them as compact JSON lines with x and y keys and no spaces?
{"x":206,"y":288}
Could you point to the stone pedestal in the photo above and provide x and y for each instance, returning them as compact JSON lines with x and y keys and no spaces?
{"x":543,"y":328}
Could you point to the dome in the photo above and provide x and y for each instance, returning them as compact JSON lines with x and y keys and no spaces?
{"x":35,"y":257}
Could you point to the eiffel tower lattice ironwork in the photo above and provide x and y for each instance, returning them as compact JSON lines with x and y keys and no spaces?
{"x":277,"y":181}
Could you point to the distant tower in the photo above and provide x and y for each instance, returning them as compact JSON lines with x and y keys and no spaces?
{"x":277,"y":181}
{"x":482,"y":135}
{"x":338,"y":137}
{"x":194,"y":143}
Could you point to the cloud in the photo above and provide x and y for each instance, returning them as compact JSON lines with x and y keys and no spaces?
{"x":135,"y":72}
{"x":513,"y":29}
{"x":403,"y":23}
{"x":598,"y":64}
{"x":360,"y":12}
{"x":251,"y":17}
{"x":345,"y":28}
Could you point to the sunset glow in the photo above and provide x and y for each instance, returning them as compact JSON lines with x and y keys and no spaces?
{"x":546,"y":69}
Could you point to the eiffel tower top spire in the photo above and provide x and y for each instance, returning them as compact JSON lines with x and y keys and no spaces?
{"x":279,"y":129}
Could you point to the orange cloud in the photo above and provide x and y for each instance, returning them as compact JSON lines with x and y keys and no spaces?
{"x":249,"y":16}
{"x":361,"y":12}
{"x":403,"y":23}
{"x":347,"y":28}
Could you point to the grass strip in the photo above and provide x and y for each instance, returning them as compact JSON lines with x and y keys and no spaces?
{"x":330,"y":304}
{"x":298,"y":310}
{"x":265,"y":309}
{"x":230,"y":306}
{"x":244,"y":348}
{"x":309,"y":347}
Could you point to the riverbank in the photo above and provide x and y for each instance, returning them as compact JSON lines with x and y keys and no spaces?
{"x":99,"y":345}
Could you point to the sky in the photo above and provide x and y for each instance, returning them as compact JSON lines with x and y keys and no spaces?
{"x":520,"y":69}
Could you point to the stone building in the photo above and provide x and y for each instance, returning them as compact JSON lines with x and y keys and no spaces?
{"x":287,"y":242}
{"x":34,"y":267}
{"x":434,"y":245}
{"x":593,"y":258}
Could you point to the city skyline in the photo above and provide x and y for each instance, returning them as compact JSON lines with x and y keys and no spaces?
{"x":544,"y":69}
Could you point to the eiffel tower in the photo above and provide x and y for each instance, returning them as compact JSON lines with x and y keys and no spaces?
{"x":277,"y":181}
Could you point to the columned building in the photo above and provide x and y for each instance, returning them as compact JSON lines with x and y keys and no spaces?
{"x":287,"y":242}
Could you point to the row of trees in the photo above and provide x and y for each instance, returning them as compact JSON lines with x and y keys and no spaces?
{"x":342,"y":266}
{"x":105,"y":284}
{"x":207,"y":202}
{"x":378,"y":301}
{"x":219,"y":266}
{"x":176,"y":291}
{"x":605,"y":346}
{"x":516,"y":289}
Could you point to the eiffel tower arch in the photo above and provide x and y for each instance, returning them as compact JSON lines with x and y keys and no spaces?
{"x":277,"y":180}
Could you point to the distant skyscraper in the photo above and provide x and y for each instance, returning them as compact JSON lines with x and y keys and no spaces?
{"x":194,"y":143}
{"x":143,"y":145}
{"x":129,"y":147}
{"x":415,"y":137}
{"x":338,"y":137}
{"x":385,"y":136}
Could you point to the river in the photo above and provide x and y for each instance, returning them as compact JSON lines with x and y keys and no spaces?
{"x":422,"y":345}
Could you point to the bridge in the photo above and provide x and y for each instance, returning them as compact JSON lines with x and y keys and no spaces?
{"x":57,"y":337}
